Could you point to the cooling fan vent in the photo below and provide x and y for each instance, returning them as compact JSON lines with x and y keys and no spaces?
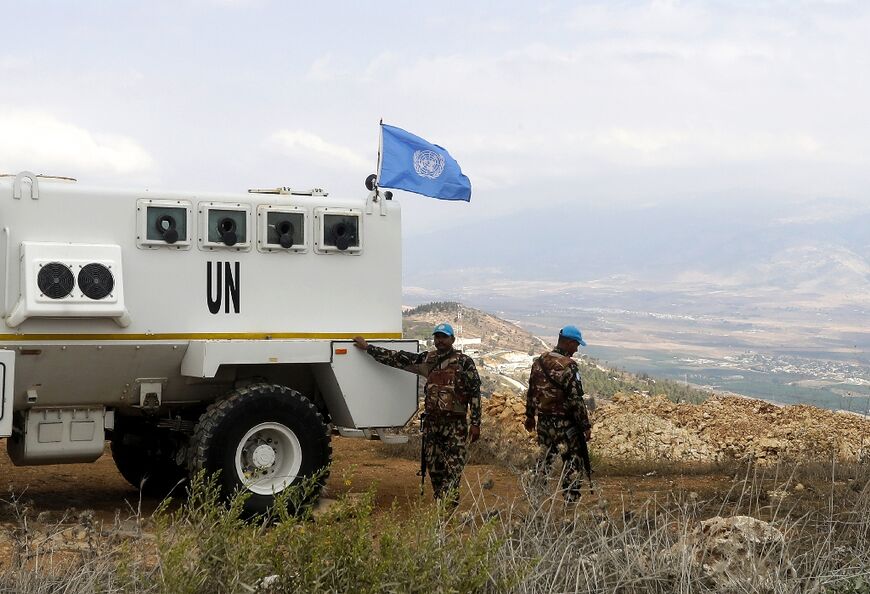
{"x":96,"y":281}
{"x":55,"y":280}
{"x":69,"y":280}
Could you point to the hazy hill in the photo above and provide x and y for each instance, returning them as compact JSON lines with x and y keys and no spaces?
{"x":499,"y":335}
{"x":691,"y":279}
{"x":813,"y":246}
{"x":468,"y":322}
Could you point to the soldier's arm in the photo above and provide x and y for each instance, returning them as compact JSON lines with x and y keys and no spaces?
{"x":471,"y":379}
{"x":530,"y":403}
{"x":574,"y":391}
{"x":399,"y":359}
{"x":472,"y":384}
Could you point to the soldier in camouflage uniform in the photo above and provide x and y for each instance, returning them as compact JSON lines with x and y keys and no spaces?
{"x":452,"y":388}
{"x":556,"y":395}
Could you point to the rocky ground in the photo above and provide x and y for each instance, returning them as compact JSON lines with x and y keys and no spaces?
{"x":75,"y":511}
{"x":643,"y":428}
{"x":628,"y":428}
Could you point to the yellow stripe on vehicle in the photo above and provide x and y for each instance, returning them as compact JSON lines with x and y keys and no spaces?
{"x":203,"y":336}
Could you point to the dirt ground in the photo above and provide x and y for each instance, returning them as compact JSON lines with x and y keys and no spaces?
{"x":358,"y":466}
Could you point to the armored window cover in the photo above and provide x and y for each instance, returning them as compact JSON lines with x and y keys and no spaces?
{"x":341,"y":231}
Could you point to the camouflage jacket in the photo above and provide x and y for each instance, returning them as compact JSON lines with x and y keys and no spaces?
{"x":555,"y":388}
{"x":452,"y":382}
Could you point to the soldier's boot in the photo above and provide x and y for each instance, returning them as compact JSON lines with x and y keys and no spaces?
{"x":572,"y":487}
{"x":571,"y":479}
{"x":437,"y":479}
{"x":572,"y":495}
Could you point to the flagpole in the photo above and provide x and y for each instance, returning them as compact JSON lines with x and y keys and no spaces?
{"x":380,"y":149}
{"x":375,"y":193}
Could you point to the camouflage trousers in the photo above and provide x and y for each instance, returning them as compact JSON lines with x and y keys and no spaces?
{"x":560,"y":434}
{"x":444,"y":446}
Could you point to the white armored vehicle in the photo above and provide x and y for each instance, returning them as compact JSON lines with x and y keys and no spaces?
{"x":196,"y":331}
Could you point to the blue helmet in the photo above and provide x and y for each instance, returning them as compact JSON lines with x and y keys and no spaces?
{"x":444,"y":328}
{"x":572,"y":333}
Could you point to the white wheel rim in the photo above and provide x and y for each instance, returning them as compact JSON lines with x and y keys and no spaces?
{"x":268,"y":458}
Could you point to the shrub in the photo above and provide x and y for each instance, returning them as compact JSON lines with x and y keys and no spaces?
{"x":205,"y":546}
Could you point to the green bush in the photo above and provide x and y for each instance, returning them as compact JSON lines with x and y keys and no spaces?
{"x":205,"y":546}
{"x":607,"y":382}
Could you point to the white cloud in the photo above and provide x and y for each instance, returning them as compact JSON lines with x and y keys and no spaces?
{"x":231,"y":3}
{"x":381,"y":65}
{"x":648,"y":20}
{"x":644,"y":98}
{"x":649,"y":85}
{"x":11,"y":62}
{"x":691,"y":146}
{"x":305,"y":145}
{"x":323,"y":69}
{"x":41,"y":142}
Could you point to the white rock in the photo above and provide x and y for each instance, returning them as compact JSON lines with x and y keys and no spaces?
{"x":737,"y":554}
{"x":267,"y":583}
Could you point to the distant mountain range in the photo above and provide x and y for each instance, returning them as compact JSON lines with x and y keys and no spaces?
{"x":676,"y":291}
{"x":815,"y":248}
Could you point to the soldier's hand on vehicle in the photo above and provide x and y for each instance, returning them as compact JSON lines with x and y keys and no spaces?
{"x":474,"y":433}
{"x":360,"y":342}
{"x":530,"y":424}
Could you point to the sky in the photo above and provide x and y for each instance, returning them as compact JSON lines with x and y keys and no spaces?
{"x":618,"y":104}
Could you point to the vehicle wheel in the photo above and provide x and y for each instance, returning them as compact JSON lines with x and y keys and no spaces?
{"x":263,"y":438}
{"x":146,"y":457}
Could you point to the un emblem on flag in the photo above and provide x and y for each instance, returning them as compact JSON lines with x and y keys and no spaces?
{"x":428,"y":164}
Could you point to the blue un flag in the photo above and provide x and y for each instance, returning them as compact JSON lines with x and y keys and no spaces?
{"x":410,"y":163}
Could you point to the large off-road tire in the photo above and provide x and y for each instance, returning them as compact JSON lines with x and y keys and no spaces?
{"x":147,"y":457}
{"x":263,"y":438}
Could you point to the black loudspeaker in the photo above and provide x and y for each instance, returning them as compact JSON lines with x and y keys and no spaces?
{"x":285,"y":229}
{"x":285,"y":233}
{"x":227,"y":229}
{"x":55,"y":280}
{"x":96,"y":281}
{"x":165,"y":224}
{"x":371,"y":182}
{"x":341,"y":234}
{"x":167,"y":228}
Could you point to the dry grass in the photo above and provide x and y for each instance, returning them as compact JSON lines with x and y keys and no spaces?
{"x":535,"y":543}
{"x":617,"y":548}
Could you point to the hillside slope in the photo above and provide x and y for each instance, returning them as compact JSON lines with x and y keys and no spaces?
{"x":643,"y":418}
{"x":641,"y":428}
{"x":506,"y":353}
{"x":468,"y":322}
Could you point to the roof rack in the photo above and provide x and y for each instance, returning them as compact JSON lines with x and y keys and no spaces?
{"x":43,"y":176}
{"x":291,"y":191}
